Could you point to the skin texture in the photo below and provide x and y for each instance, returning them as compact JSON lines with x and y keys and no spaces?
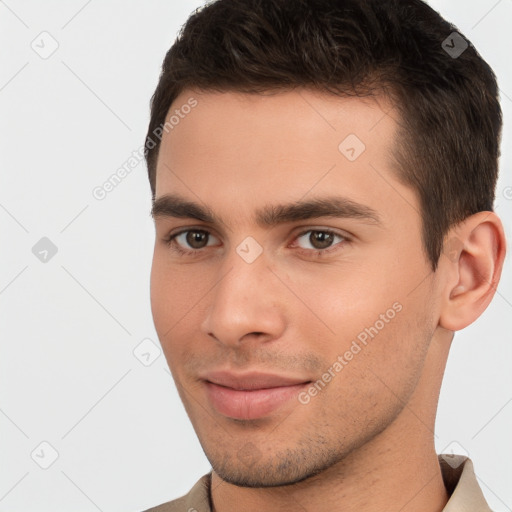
{"x":365,"y":440}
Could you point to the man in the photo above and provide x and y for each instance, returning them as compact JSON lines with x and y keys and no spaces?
{"x":323,"y":177}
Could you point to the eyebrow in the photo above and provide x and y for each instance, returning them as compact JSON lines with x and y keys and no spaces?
{"x":173,"y":205}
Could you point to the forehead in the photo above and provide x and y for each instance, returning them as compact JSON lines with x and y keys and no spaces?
{"x":298,"y":115}
{"x":234,"y":150}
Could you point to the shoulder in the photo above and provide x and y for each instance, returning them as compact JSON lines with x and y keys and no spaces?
{"x":196,"y":500}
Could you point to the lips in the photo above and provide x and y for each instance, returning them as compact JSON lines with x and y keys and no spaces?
{"x":250,"y":395}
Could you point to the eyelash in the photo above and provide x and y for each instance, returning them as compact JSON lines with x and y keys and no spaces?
{"x":318,"y":253}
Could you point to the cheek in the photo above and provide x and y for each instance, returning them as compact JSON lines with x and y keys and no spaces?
{"x":378,"y":375}
{"x":338,"y":301}
{"x":379,"y":307}
{"x":176,"y":293}
{"x":394,"y":345}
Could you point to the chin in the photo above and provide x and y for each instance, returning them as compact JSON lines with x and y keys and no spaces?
{"x":285,"y":471}
{"x":242,"y":477}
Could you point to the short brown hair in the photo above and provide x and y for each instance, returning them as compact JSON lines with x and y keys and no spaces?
{"x":445,"y":93}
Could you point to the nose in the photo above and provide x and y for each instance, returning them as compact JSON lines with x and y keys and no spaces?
{"x":247,"y":303}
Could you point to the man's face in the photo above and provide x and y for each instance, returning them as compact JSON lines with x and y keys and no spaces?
{"x":333,"y":314}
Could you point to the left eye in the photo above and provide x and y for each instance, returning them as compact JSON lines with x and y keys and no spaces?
{"x":319,"y":239}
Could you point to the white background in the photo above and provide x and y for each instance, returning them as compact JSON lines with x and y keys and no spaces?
{"x":68,"y":375}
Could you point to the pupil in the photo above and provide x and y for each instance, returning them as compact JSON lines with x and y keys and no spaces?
{"x":195,"y":238}
{"x":321,"y":240}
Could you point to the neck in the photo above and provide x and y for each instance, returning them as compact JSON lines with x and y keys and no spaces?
{"x":398,"y":470}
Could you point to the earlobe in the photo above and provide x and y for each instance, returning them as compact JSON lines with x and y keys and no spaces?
{"x":472,"y":260}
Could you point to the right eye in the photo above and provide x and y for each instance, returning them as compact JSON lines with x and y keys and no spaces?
{"x":189,"y":241}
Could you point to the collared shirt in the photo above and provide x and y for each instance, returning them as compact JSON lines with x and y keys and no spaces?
{"x":458,"y":477}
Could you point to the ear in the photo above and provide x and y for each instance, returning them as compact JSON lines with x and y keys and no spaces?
{"x":472,"y":261}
